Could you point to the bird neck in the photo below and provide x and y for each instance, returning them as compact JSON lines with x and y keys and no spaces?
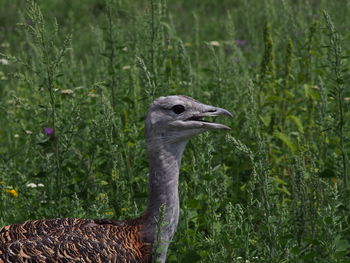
{"x":165,"y":162}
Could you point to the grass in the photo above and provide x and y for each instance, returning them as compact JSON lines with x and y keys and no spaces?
{"x":274,"y":189}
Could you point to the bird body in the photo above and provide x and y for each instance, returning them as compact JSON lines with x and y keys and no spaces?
{"x":74,"y":240}
{"x":171,"y":121}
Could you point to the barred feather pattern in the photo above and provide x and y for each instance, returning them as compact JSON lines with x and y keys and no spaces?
{"x":74,"y":240}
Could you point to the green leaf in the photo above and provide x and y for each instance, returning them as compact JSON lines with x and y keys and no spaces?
{"x":286,"y":139}
{"x":193,"y":203}
{"x":243,"y":187}
{"x":341,"y":245}
{"x":265,"y":120}
{"x":283,"y":189}
{"x":311,"y":92}
{"x":278,"y":180}
{"x":274,"y":99}
{"x":103,"y":182}
{"x":297,"y":122}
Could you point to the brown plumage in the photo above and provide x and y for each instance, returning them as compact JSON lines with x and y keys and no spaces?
{"x":171,"y":121}
{"x":74,"y":240}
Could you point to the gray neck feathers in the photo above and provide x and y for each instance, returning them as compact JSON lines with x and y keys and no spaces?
{"x":165,"y":162}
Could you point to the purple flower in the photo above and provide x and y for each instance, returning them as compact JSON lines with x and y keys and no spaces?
{"x":49,"y":131}
{"x":241,"y":43}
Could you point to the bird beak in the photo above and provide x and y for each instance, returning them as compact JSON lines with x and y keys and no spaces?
{"x":197,"y":120}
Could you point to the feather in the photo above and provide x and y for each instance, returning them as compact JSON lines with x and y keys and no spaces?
{"x":74,"y":240}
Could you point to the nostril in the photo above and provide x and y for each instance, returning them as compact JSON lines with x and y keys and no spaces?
{"x":213,"y":110}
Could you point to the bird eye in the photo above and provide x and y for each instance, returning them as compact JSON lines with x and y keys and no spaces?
{"x":178,"y":109}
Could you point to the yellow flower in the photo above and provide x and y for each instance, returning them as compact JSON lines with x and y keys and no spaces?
{"x":12,"y":192}
{"x":102,"y":196}
{"x":109,"y":213}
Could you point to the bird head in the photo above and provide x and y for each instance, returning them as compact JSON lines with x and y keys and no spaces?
{"x":178,"y":118}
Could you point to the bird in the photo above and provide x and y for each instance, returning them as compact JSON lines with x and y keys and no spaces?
{"x":170,"y":123}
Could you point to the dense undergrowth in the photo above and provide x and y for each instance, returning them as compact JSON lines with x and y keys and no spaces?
{"x":76,"y":78}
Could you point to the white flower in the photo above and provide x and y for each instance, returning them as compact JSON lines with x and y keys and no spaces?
{"x":214,"y":43}
{"x":28,"y":132}
{"x":67,"y":91}
{"x":32,"y":185}
{"x":126,"y":67}
{"x":16,"y":136}
{"x":4,"y":61}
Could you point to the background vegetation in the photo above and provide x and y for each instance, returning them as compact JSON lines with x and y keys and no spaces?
{"x":76,"y":78}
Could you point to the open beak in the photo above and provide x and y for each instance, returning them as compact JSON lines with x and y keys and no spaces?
{"x":209,"y":111}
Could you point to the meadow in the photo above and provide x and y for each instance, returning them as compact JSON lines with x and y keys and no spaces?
{"x":76,"y":79}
